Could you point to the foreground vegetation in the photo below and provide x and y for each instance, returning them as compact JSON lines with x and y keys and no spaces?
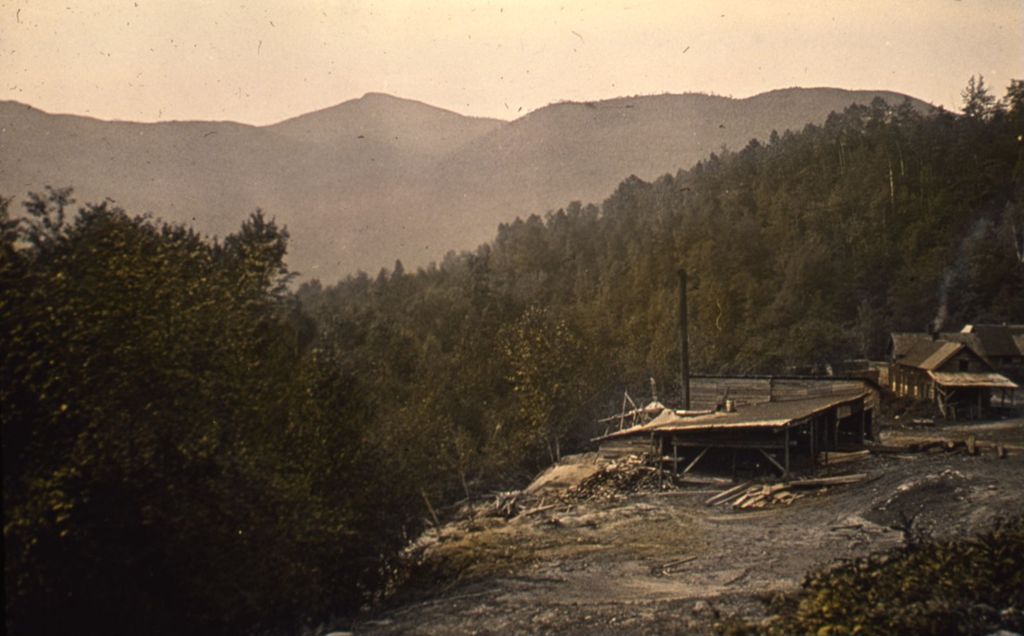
{"x":963,"y":586}
{"x":189,"y":446}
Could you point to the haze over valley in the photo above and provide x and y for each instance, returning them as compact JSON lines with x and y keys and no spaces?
{"x":381,"y":178}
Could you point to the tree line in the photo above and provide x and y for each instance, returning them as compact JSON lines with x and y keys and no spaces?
{"x":191,"y":441}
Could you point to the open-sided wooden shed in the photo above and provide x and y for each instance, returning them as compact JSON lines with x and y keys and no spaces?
{"x":779,"y":435}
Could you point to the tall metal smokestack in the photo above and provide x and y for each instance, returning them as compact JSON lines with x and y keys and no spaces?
{"x":684,"y":344}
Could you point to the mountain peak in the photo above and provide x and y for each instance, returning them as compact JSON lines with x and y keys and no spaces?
{"x":379,"y":96}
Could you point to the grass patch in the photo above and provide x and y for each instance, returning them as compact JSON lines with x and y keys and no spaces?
{"x":512,"y":549}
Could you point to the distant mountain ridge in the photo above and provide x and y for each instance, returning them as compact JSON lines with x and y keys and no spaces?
{"x":381,"y":178}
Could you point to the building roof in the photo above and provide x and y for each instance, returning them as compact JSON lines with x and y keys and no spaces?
{"x":964,"y":379}
{"x":988,"y":341}
{"x":994,"y":340}
{"x":930,"y":354}
{"x":904,"y":341}
{"x":762,"y":415}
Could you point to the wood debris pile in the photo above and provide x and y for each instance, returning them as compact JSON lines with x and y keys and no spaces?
{"x":506,"y":504}
{"x":620,"y":478}
{"x":750,"y":495}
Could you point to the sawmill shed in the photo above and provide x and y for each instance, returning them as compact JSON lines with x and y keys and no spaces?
{"x":744,"y":425}
{"x":753,"y":437}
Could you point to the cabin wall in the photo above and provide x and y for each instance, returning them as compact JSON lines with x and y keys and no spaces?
{"x":965,"y":361}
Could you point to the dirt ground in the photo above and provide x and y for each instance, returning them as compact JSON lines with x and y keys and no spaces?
{"x":664,"y":562}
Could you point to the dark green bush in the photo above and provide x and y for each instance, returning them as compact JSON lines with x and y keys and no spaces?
{"x":962,"y":586}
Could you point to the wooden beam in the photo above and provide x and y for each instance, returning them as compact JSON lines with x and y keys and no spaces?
{"x":696,"y":459}
{"x":730,"y":443}
{"x":774,"y":461}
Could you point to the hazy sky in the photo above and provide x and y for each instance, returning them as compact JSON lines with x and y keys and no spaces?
{"x":260,"y":61}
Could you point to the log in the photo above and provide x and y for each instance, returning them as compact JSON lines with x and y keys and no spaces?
{"x":972,"y":445}
{"x":842,"y":458}
{"x":752,"y":501}
{"x":533,"y":511}
{"x":672,"y":564}
{"x":730,"y":498}
{"x":914,"y":447}
{"x":727,"y":493}
{"x":820,"y":481}
{"x":885,"y":449}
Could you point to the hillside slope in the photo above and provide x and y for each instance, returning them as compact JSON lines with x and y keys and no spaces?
{"x":380,"y":178}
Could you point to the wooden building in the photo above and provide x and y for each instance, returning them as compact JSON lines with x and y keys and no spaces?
{"x":947,"y":371}
{"x":753,"y":437}
{"x":1001,"y":346}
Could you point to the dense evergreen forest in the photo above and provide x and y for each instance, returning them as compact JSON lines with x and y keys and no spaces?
{"x":191,"y":443}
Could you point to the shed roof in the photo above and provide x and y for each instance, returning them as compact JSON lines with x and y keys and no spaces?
{"x":763,"y":415}
{"x":964,"y":379}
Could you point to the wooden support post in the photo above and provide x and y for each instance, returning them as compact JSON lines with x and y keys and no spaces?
{"x":696,"y":459}
{"x":661,"y":462}
{"x":863,"y":417}
{"x":675,"y":459}
{"x":814,"y":451}
{"x":824,"y":444}
{"x":785,"y":454}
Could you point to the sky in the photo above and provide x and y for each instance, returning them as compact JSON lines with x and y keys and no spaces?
{"x":262,"y":61}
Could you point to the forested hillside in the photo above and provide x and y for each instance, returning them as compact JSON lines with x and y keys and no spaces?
{"x":189,"y":446}
{"x":377,"y":178}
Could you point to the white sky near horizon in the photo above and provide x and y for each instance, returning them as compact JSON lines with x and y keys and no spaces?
{"x":261,"y":61}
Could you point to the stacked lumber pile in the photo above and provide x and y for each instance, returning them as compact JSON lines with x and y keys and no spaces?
{"x":767,"y":495}
{"x":623,"y":477}
{"x":750,"y":495}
